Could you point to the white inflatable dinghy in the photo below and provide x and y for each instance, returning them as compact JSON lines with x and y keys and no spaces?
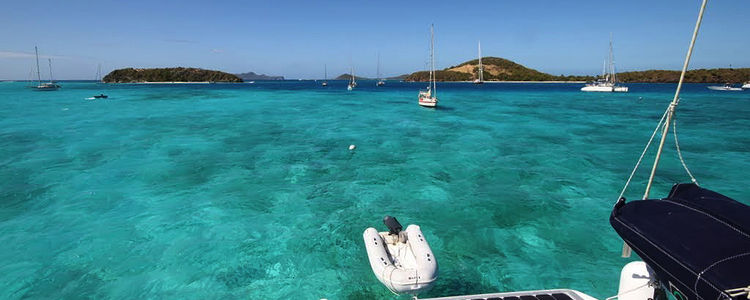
{"x":401,"y":260}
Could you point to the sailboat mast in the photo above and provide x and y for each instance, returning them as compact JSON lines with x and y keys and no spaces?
{"x":611,"y":60}
{"x":325,"y":72}
{"x":378,"y":66}
{"x":50,"y":69}
{"x":675,"y":100}
{"x":38,"y":74}
{"x":432,"y":60}
{"x":480,"y":62}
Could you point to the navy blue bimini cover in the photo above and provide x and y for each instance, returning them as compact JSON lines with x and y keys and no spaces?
{"x":696,"y":240}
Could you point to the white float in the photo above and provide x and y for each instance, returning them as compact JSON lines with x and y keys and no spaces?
{"x":637,"y":282}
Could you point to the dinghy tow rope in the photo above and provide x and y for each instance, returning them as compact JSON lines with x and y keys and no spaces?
{"x":649,"y":283}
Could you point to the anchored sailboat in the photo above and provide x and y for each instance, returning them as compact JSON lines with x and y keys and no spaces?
{"x":99,"y":73}
{"x":480,"y":76}
{"x":47,"y":86}
{"x":428,"y":98}
{"x":352,"y":82}
{"x":608,"y":82}
{"x":325,"y":75}
{"x":380,"y":80}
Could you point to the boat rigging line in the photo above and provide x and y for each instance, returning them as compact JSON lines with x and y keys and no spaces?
{"x":669,"y":114}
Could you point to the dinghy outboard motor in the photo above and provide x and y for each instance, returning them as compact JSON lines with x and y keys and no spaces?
{"x":394,"y":227}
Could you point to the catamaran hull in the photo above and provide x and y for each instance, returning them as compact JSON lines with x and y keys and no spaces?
{"x":724,"y":88}
{"x":610,"y":89}
{"x":46,"y":88}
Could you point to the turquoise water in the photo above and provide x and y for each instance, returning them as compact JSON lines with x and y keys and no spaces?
{"x":249,"y":191}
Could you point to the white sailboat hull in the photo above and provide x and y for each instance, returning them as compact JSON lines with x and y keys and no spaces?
{"x":724,"y":88}
{"x":425,"y":99}
{"x":428,"y":103}
{"x":600,"y":88}
{"x":403,"y":266}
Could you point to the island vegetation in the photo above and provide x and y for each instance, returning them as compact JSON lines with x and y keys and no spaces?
{"x":495,"y":69}
{"x":133,"y":75}
{"x":349,"y":77}
{"x":734,"y":75}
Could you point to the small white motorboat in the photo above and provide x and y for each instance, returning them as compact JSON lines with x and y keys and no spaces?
{"x":725,"y":87}
{"x":746,"y":85}
{"x":401,"y":260}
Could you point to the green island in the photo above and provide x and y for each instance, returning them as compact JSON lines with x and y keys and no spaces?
{"x":155,"y":75}
{"x":500,"y":69}
{"x":734,"y":75}
{"x":495,"y":69}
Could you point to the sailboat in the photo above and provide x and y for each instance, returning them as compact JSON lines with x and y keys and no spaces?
{"x":325,"y":75}
{"x":381,"y":82}
{"x":608,"y":82}
{"x":99,"y":73}
{"x":480,"y":77}
{"x":352,"y":82}
{"x":428,"y":98}
{"x":47,"y":86}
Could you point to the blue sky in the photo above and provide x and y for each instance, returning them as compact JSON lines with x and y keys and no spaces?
{"x":297,"y":38}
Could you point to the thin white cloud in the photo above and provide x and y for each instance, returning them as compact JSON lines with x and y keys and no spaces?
{"x":181,"y":41}
{"x":25,"y":55}
{"x":217,"y":51}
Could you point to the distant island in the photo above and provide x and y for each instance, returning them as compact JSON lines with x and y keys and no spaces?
{"x":133,"y":75}
{"x":495,"y":69}
{"x":253,"y":76}
{"x":695,"y":76}
{"x":349,"y":76}
{"x":500,"y":69}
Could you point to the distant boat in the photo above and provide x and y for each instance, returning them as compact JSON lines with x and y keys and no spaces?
{"x":480,"y":76}
{"x":608,"y":82}
{"x":428,"y":98}
{"x":47,"y":86}
{"x":101,"y":96}
{"x":380,"y":80}
{"x":352,"y":82}
{"x":325,"y":75}
{"x":99,"y":73}
{"x":725,"y":87}
{"x":746,"y":85}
